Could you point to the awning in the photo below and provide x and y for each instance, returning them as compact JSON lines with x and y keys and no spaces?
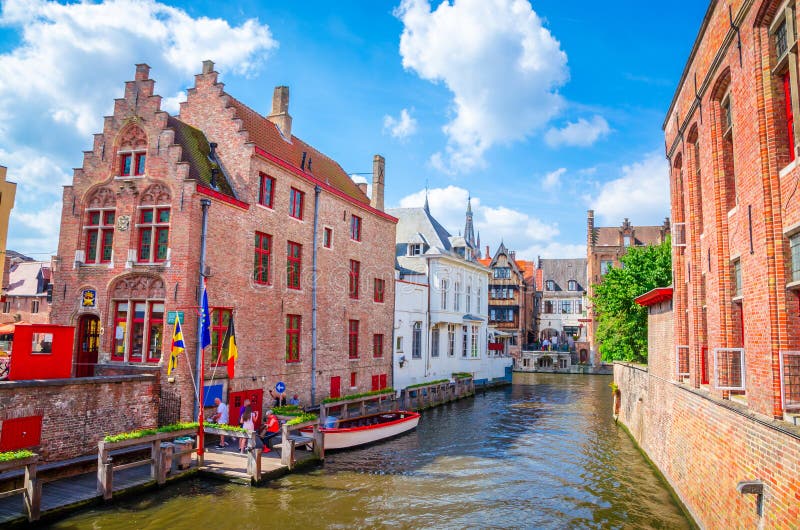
{"x":472,"y":318}
{"x":6,"y":329}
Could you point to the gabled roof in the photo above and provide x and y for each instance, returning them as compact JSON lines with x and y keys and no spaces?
{"x":659,"y":294}
{"x":413,"y":222}
{"x":609,"y":236}
{"x":561,"y":271}
{"x":267,"y":136}
{"x":23,"y":278}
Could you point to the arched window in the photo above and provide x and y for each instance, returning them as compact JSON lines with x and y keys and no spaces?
{"x":724,"y":116}
{"x":138,"y":319}
{"x":131,"y":152}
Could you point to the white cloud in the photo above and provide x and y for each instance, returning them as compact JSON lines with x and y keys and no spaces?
{"x":501,"y":64}
{"x":71,"y":63}
{"x":36,"y":230}
{"x":552,"y":181}
{"x":400,"y":128}
{"x":641,"y":193}
{"x":582,"y":133}
{"x":518,"y":230}
{"x":554,"y":250}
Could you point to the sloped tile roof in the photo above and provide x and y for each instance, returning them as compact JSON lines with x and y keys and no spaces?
{"x":195,"y":151}
{"x":267,"y":136}
{"x":23,"y":278}
{"x":609,"y":236}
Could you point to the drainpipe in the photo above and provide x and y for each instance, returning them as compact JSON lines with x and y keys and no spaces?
{"x":204,"y":203}
{"x":317,"y":191}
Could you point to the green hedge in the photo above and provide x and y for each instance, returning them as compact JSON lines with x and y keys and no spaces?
{"x":426,"y":384}
{"x":288,"y":410}
{"x":462,"y":375}
{"x":141,"y":433}
{"x":15,"y":455}
{"x":302,"y":418}
{"x":356,"y":396}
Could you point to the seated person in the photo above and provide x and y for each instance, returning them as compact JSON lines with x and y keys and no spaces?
{"x":269,"y":429}
{"x":295,"y":400}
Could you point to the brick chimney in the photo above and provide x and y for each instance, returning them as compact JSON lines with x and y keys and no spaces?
{"x":142,"y":72}
{"x":488,"y":256}
{"x":280,"y":111}
{"x":378,"y":171}
{"x":590,"y":229}
{"x":362,"y":186}
{"x":208,"y":66}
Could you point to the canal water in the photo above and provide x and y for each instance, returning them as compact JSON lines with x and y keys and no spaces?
{"x":543,"y":453}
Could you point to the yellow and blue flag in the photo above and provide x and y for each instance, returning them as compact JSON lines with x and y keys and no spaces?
{"x":177,"y":346}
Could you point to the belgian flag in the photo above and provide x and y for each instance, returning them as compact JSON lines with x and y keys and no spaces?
{"x":230,"y":344}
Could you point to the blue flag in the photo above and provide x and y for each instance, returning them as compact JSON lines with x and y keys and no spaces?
{"x":205,"y":325}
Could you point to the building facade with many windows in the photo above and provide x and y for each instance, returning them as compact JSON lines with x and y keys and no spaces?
{"x":295,"y":251}
{"x":441,"y":306}
{"x":511,"y":300}
{"x":562,"y":316}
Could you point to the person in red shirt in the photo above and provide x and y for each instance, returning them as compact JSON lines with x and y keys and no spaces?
{"x":269,"y":429}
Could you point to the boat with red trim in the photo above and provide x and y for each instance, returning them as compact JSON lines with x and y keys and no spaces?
{"x":361,"y":430}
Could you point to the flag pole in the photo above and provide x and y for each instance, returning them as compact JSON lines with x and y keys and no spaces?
{"x":200,"y":367}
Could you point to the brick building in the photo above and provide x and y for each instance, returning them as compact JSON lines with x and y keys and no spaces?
{"x":605,"y":245}
{"x":130,"y":242}
{"x":719,"y":402}
{"x":8,"y":191}
{"x":511,"y":299}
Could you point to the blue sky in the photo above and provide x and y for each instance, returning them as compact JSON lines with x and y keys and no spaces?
{"x":537,"y":109}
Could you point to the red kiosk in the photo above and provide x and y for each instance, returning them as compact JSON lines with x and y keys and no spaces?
{"x":41,"y":351}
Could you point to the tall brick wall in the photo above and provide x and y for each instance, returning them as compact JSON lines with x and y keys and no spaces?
{"x":704,"y":446}
{"x":78,"y":413}
{"x":736,"y":191}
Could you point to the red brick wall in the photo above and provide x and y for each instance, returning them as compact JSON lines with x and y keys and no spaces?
{"x":78,"y":413}
{"x":765,"y":202}
{"x":704,"y":446}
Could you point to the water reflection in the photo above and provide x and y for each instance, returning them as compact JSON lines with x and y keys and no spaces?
{"x":541,"y":454}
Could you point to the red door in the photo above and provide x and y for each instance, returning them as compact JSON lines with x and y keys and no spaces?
{"x":236,"y":402}
{"x":88,"y":338}
{"x":704,"y":365}
{"x":336,"y":386}
{"x":21,"y":433}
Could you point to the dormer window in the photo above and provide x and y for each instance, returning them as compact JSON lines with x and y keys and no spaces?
{"x":550,"y":285}
{"x":415,"y":249}
{"x":572,"y":285}
{"x":626,"y":241}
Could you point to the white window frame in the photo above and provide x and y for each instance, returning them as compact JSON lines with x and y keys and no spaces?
{"x":788,"y":407}
{"x":681,"y":351}
{"x":742,"y":367}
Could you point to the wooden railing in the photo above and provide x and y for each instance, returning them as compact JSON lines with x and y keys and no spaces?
{"x":290,"y":441}
{"x":32,"y":486}
{"x":426,"y":396}
{"x":157,"y":461}
{"x":378,"y":401}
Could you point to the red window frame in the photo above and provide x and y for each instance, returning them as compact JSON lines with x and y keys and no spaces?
{"x":336,"y":386}
{"x":353,"y":379}
{"x":377,"y":345}
{"x":150,"y":326}
{"x":327,"y":237}
{"x":132,"y":164}
{"x":132,"y":335}
{"x":380,"y":290}
{"x":355,"y":277}
{"x":123,"y":321}
{"x":266,"y":190}
{"x":355,"y":228}
{"x":153,"y":235}
{"x":787,"y":97}
{"x":296,"y":198}
{"x":261,"y":259}
{"x":293,"y":323}
{"x":219,"y":327}
{"x":352,"y":342}
{"x":294,"y":262}
{"x":99,"y":236}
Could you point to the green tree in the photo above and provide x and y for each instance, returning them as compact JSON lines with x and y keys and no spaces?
{"x":621,"y":322}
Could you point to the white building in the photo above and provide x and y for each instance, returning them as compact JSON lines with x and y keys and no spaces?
{"x":562,"y":318}
{"x":441,"y":304}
